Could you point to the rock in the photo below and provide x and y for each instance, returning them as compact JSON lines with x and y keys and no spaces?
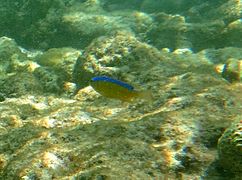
{"x":112,"y":5}
{"x":172,"y":6}
{"x":232,"y":33}
{"x":115,"y":55}
{"x":50,"y":80}
{"x":16,"y":68}
{"x":41,"y":22}
{"x":230,"y":148}
{"x":61,"y":60}
{"x":46,"y":134}
{"x":19,"y":84}
{"x":169,"y":31}
{"x":220,"y":56}
{"x":228,"y":11}
{"x":10,"y":53}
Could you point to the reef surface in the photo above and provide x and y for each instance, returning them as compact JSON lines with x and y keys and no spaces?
{"x":53,"y":125}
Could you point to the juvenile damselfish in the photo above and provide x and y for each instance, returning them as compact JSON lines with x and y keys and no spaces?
{"x":116,"y":89}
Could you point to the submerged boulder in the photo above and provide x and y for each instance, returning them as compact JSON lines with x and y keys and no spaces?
{"x":230,"y":148}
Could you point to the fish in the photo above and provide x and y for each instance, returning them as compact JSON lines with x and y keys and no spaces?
{"x":116,"y":89}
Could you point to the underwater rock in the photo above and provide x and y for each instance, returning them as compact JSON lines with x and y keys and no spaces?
{"x":10,"y":54}
{"x":203,"y":11}
{"x":228,"y":11}
{"x":92,"y":25}
{"x":82,"y":21}
{"x":16,"y":77}
{"x":56,"y":68}
{"x":116,"y":55}
{"x":206,"y":25}
{"x":50,"y":80}
{"x":114,"y":5}
{"x":88,"y":21}
{"x":61,"y":60}
{"x":230,"y":148}
{"x":46,"y":135}
{"x":172,"y":6}
{"x":41,"y":17}
{"x":174,"y":32}
{"x":89,"y":136}
{"x":220,"y":56}
{"x":52,"y":71}
{"x":232,"y":33}
{"x":18,"y":84}
{"x":169,"y":31}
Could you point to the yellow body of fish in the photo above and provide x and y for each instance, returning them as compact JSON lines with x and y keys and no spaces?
{"x":116,"y":91}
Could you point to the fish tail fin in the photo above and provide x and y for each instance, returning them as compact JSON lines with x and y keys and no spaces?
{"x":146,"y":95}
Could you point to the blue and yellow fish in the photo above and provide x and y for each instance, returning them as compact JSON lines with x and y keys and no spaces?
{"x":116,"y":89}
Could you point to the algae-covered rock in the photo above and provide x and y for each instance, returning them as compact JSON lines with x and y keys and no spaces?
{"x":169,"y":31}
{"x":112,"y":5}
{"x":220,"y":56}
{"x":20,"y":83}
{"x":91,"y":136}
{"x":56,"y":68}
{"x":172,"y":6}
{"x":87,"y":26}
{"x":117,"y":55}
{"x":16,"y":68}
{"x":229,"y":11}
{"x":45,"y":134}
{"x":32,"y":23}
{"x":76,"y":23}
{"x":92,"y":25}
{"x":232,"y":33}
{"x":50,"y":80}
{"x":204,"y":25}
{"x":20,"y":74}
{"x":230,"y":148}
{"x":9,"y":52}
{"x":61,"y":60}
{"x":174,"y":32}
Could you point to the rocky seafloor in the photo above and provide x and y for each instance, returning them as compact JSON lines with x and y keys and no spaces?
{"x":53,"y":125}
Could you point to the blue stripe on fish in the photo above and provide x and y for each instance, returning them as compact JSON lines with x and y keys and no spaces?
{"x":108,"y":79}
